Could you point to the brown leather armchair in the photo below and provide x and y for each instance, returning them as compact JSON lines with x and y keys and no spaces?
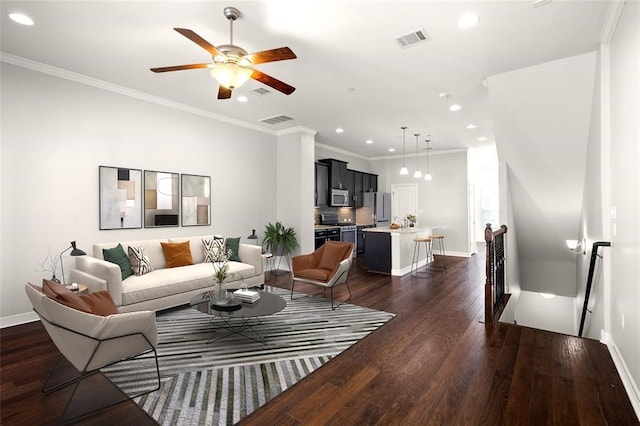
{"x":326,"y":267}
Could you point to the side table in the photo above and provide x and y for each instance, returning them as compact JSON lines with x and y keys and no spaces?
{"x":82,"y":289}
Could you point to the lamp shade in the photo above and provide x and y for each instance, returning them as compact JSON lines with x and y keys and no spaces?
{"x":74,"y":252}
{"x":231,"y":75}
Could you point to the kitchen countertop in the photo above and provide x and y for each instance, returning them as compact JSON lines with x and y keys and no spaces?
{"x":409,"y":230}
{"x":338,"y":226}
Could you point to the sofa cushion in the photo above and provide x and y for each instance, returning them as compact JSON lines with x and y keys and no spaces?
{"x":170,"y":281}
{"x":119,"y":257}
{"x":139,"y":260}
{"x":233,"y":244}
{"x":177,"y":254}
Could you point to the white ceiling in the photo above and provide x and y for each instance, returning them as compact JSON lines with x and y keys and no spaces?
{"x":350,"y":71}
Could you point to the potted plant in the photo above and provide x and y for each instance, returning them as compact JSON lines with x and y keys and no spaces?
{"x":279,"y":240}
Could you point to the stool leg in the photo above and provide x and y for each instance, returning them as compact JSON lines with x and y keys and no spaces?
{"x":414,"y":259}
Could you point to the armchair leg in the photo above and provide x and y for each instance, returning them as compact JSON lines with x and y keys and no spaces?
{"x":333,"y":308}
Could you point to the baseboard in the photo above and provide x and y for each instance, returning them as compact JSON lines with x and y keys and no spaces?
{"x":18,"y":319}
{"x":625,"y":375}
{"x":454,"y":253}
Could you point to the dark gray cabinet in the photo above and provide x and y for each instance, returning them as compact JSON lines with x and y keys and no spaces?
{"x":377,"y":252}
{"x":350,"y":186}
{"x":357,"y":189}
{"x":337,"y":173}
{"x":322,"y":185}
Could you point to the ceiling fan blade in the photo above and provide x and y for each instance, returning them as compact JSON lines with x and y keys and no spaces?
{"x":224,"y":92}
{"x":279,"y":54}
{"x":272,"y":82}
{"x":199,"y":41}
{"x":180,"y":67}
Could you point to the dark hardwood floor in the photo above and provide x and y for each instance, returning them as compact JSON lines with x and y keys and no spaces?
{"x":435,"y":363}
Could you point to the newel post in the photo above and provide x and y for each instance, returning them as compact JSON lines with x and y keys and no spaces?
{"x":488,"y":287}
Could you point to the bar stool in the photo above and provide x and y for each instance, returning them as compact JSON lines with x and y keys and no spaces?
{"x":417,"y":241}
{"x":438,"y":239}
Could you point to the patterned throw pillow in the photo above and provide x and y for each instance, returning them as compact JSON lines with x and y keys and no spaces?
{"x":213,"y":249}
{"x":139,"y":260}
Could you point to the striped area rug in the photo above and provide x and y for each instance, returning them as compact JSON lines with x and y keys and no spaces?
{"x":220,"y":383}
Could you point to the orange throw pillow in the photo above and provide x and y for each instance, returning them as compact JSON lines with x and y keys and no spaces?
{"x":63,"y":295}
{"x":177,"y":254}
{"x":100,"y":303}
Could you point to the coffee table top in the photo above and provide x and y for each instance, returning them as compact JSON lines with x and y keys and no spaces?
{"x":268,"y":304}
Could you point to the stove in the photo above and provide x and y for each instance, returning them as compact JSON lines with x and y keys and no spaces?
{"x":348,"y":230}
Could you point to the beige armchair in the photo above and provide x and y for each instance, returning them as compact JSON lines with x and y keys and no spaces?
{"x":326,"y":267}
{"x":90,"y":342}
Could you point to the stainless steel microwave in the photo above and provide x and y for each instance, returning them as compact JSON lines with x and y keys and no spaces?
{"x":339,"y":198}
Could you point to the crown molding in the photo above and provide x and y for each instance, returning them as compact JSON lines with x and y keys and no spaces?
{"x":101,"y":84}
{"x":611,"y":21}
{"x":341,"y":151}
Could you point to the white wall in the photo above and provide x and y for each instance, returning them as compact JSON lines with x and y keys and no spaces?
{"x":623,"y":322}
{"x":541,"y":119}
{"x":443,"y":200}
{"x":56,"y":132}
{"x":354,"y":162}
{"x":591,"y":228}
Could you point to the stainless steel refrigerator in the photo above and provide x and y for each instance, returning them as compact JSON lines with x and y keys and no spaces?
{"x":380,"y":205}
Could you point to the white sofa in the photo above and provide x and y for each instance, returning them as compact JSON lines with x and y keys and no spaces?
{"x":163,"y":287}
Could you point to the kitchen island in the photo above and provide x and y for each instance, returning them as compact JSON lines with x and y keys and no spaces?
{"x":390,"y":251}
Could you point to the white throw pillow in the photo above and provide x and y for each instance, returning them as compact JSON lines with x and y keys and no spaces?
{"x":213,"y":248}
{"x":139,"y":260}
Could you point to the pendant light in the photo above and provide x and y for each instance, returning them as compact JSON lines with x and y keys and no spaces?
{"x":403,"y":170}
{"x":427,"y":175}
{"x":417,"y":173}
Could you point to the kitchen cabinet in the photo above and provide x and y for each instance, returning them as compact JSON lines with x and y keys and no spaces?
{"x":337,"y":173}
{"x":322,"y":185}
{"x":357,"y":189}
{"x":369,"y":182}
{"x":350,"y":186}
{"x":377,"y":253}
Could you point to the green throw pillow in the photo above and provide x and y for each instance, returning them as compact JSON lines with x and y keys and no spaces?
{"x":233,"y":244}
{"x":119,"y":257}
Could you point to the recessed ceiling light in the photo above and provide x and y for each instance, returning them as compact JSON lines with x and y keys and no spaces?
{"x":443,"y":95}
{"x":368,"y":141}
{"x":468,"y":20}
{"x":482,"y":138}
{"x":242,"y":99}
{"x":339,"y":130}
{"x":392,"y":150}
{"x":471,"y":126}
{"x":455,"y":107}
{"x":21,"y":18}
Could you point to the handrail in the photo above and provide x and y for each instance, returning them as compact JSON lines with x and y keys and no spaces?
{"x":495,"y":271}
{"x":592,"y":267}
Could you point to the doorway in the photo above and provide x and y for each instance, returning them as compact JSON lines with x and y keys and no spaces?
{"x":404,"y":200}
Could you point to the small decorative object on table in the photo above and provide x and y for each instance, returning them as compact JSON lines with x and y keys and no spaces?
{"x":246,"y":295}
{"x":412,"y":219}
{"x":220,"y":273}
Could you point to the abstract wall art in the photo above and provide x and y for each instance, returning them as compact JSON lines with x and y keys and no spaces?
{"x":196,"y":200}
{"x":120,"y":198}
{"x":161,"y":199}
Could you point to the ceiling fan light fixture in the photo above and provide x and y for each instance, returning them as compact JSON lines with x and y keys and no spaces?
{"x":231,"y":75}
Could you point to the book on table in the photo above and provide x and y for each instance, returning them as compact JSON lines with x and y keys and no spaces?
{"x":248,"y":296}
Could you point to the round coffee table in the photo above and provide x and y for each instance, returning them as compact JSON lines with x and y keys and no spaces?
{"x":242,"y":320}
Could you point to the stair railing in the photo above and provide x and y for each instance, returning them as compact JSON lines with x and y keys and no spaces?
{"x":494,"y":289}
{"x":592,"y":268}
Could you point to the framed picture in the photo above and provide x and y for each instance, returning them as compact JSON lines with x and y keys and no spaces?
{"x":161,"y":199}
{"x":120,"y":198}
{"x":196,"y":200}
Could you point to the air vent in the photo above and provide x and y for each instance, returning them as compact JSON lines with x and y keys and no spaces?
{"x":412,"y":38}
{"x":276,"y":119}
{"x":260,"y":91}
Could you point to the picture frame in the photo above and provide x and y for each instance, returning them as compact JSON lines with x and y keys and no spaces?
{"x":196,"y":200}
{"x":120,"y":198}
{"x":161,"y":199}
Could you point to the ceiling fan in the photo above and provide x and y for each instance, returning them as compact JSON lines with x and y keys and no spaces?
{"x":231,"y":65}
